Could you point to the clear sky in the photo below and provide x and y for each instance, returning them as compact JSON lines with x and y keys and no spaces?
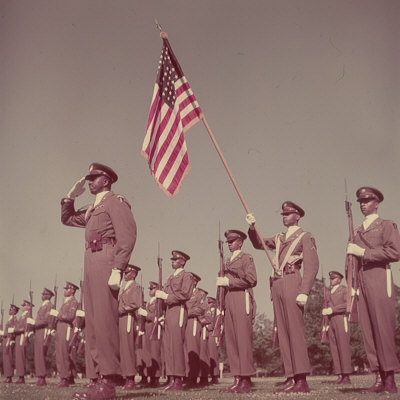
{"x":300,"y":94}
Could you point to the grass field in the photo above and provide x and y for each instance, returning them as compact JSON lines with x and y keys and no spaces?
{"x":320,"y":387}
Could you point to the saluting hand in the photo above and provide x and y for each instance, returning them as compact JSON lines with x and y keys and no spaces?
{"x":77,"y":189}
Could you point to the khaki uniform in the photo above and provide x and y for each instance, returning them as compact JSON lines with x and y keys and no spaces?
{"x":239,"y":314}
{"x":41,"y":324}
{"x":179,"y":288}
{"x":129,"y":301}
{"x":284,"y":290}
{"x":196,"y":307}
{"x":8,"y":346}
{"x":112,"y":222}
{"x":339,"y":332}
{"x":376,"y":307}
{"x":20,"y":348}
{"x":64,"y":331}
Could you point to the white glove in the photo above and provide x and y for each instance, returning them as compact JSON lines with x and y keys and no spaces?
{"x":355,"y":249}
{"x":161,"y":319}
{"x":80,"y":313}
{"x":301,"y":299}
{"x":222,"y":281}
{"x":54,"y":312}
{"x":327,"y":311}
{"x":218,"y":312}
{"x":142,"y":312}
{"x":11,"y":330}
{"x":30,"y":321}
{"x":2,"y":333}
{"x":53,"y":332}
{"x":77,"y":189}
{"x":114,"y":281}
{"x":250,"y":219}
{"x":161,"y":295}
{"x":141,"y":333}
{"x":30,"y":333}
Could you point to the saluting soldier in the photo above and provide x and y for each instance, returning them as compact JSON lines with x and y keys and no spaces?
{"x":294,"y":249}
{"x":41,"y":324}
{"x":9,"y":343}
{"x":178,"y":290}
{"x":20,"y":345}
{"x":339,"y":330}
{"x":64,"y":330}
{"x":205,"y":321}
{"x":212,"y":343}
{"x":110,"y":234}
{"x":153,"y":343}
{"x":377,"y":244}
{"x":196,"y":307}
{"x":240,"y":277}
{"x":129,"y":304}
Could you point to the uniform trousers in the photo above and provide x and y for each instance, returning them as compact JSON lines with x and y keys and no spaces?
{"x":290,"y":322}
{"x":378,"y":318}
{"x":173,"y":341}
{"x":63,"y":357}
{"x":101,"y":311}
{"x":39,"y":356}
{"x":20,"y":355}
{"x":339,"y":344}
{"x":238,"y":334}
{"x":127,"y":345}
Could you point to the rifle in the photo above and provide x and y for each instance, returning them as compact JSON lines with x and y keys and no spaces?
{"x":159,"y":302}
{"x":52,"y":321}
{"x":29,"y":328}
{"x":218,"y":330}
{"x":351,"y":268}
{"x":325,"y":318}
{"x":79,"y":320}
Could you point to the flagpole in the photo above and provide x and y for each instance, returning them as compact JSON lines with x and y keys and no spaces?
{"x":203,"y":118}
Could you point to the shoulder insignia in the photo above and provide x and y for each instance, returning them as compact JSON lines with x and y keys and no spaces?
{"x":121,"y":198}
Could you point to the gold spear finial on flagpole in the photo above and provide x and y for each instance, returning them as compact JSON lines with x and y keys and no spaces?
{"x":158,"y":25}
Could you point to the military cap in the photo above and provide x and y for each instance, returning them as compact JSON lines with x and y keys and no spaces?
{"x":211,"y":299}
{"x":196,"y":277}
{"x":97,"y":169}
{"x":177,"y":254}
{"x":13,"y":306}
{"x":288,"y":207}
{"x":204,"y":291}
{"x":131,"y":267}
{"x":27,"y":303}
{"x":233,"y":234}
{"x":47,"y":291}
{"x":335,"y":274}
{"x":153,"y":285}
{"x":69,"y":285}
{"x":369,"y":193}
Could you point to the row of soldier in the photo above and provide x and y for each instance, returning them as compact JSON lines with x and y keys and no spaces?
{"x":110,"y":236}
{"x":140,"y":332}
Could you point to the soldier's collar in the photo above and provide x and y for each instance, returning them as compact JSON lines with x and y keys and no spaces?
{"x":99,"y":197}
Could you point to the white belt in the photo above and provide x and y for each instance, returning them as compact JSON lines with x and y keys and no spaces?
{"x":181,"y":315}
{"x":194,"y":326}
{"x":68,"y":333}
{"x":129,"y":323}
{"x":389,"y":281}
{"x":346,"y":326}
{"x":247,"y":296}
{"x":204,"y":333}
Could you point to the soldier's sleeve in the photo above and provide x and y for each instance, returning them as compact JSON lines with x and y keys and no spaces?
{"x":125,"y":230}
{"x":181,"y":291}
{"x":270,"y":242}
{"x":310,"y":263}
{"x":390,"y":249}
{"x":197,"y":309}
{"x":246,"y":276}
{"x":71,"y":217}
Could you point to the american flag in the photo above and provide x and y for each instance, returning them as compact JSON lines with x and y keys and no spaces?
{"x":174,"y":109}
